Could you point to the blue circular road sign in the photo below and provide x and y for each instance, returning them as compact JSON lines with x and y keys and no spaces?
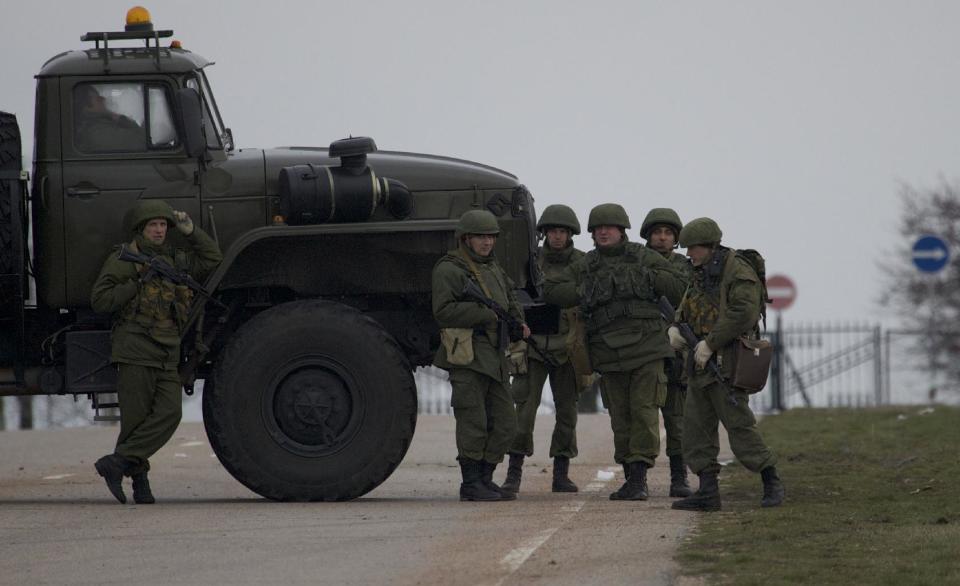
{"x":930,"y":254}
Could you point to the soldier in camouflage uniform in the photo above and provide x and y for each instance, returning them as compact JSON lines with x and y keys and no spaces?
{"x":148,"y":318}
{"x":473,"y":351}
{"x":722,"y":304}
{"x":661,"y":229}
{"x":616,"y":286}
{"x":558,"y":224}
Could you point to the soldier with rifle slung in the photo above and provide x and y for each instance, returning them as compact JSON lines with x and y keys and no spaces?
{"x":558,"y":224}
{"x":722,"y":304}
{"x":617,"y":286}
{"x":661,"y":229}
{"x":149,"y":311}
{"x":473,"y":350}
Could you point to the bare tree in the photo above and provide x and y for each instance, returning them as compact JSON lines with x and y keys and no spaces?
{"x":929,"y":303}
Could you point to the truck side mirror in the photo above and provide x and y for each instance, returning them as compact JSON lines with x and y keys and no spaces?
{"x":188,"y":100}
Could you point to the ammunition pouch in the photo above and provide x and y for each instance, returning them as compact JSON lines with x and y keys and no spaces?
{"x":458,"y":344}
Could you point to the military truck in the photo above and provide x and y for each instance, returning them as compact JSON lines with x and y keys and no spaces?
{"x":324,"y":293}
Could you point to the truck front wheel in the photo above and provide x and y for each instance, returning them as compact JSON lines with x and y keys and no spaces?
{"x":311,"y":400}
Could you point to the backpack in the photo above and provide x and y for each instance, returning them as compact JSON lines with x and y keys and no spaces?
{"x":759,"y":266}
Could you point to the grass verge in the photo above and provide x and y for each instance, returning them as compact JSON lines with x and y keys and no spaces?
{"x":873,"y":497}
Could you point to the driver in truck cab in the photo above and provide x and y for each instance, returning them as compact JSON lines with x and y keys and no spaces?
{"x":100,"y":129}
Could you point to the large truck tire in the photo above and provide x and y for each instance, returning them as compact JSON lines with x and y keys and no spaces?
{"x":311,"y":400}
{"x":9,"y":161}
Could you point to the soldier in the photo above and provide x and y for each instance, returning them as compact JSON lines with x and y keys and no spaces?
{"x":148,"y":318}
{"x":558,"y":224}
{"x":661,"y":229}
{"x":99,"y":129}
{"x":473,"y":351}
{"x":722,"y":304}
{"x":617,"y":285}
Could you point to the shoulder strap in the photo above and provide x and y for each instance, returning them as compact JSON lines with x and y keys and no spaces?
{"x":476,"y":272}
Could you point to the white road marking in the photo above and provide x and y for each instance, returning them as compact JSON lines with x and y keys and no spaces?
{"x":513,"y":560}
{"x":192,"y":444}
{"x":58,"y":476}
{"x":180,"y":455}
{"x":606,"y":475}
{"x":517,"y":556}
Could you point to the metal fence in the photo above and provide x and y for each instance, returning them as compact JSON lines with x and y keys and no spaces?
{"x":851,"y":365}
{"x":821,"y":365}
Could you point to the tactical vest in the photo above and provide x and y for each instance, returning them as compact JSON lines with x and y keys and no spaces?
{"x":616,"y":286}
{"x":160,"y":303}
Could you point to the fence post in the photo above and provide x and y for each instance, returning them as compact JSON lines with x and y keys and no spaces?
{"x":776,"y":389}
{"x":877,"y":366}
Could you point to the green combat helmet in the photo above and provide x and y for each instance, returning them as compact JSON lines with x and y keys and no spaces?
{"x":664,"y":216}
{"x":700,"y":231}
{"x":561,"y":216}
{"x":608,"y":214}
{"x":148,"y":210}
{"x":477,"y":222}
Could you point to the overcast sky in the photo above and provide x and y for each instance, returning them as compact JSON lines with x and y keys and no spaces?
{"x":791,"y":123}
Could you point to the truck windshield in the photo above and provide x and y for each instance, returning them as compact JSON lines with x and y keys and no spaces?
{"x":213,"y":124}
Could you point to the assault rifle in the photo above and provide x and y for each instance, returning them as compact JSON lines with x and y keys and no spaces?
{"x":668,"y":313}
{"x":514,"y":326}
{"x":157,"y":266}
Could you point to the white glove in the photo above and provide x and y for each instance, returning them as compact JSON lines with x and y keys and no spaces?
{"x":676,"y":340}
{"x":517,"y":355}
{"x":184,"y":223}
{"x":701,"y":354}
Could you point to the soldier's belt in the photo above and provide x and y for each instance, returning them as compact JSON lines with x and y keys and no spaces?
{"x":607,"y":314}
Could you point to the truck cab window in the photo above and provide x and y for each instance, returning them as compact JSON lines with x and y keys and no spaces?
{"x":209,"y":129}
{"x":163,"y":131}
{"x":122,"y":117}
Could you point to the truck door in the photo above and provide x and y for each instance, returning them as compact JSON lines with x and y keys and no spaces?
{"x":120,"y":145}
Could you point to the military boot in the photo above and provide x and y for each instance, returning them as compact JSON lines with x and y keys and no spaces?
{"x":472,"y":487}
{"x":615,"y":496}
{"x":142,"y":495}
{"x":561,"y":478}
{"x":678,"y":478}
{"x":112,"y":467}
{"x":707,"y":497}
{"x":514,"y":473}
{"x":486,"y":477}
{"x":635,"y":488}
{"x":773,"y":490}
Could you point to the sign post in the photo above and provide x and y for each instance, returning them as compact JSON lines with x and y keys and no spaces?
{"x":782,"y":292}
{"x":930,"y":255}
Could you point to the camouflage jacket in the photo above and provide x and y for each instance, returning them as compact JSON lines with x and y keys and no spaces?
{"x":451,"y":310}
{"x":148,"y":317}
{"x":617,"y":289}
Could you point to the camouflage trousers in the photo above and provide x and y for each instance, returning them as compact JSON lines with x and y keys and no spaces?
{"x":672,"y":411}
{"x":150,"y":409}
{"x":528,"y":389}
{"x":707,"y":406}
{"x":486,"y":417}
{"x":634,"y":398}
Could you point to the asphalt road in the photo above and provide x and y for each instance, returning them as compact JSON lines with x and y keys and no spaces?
{"x":59,"y":525}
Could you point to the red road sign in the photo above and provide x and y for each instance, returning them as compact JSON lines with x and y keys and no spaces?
{"x":781,"y":291}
